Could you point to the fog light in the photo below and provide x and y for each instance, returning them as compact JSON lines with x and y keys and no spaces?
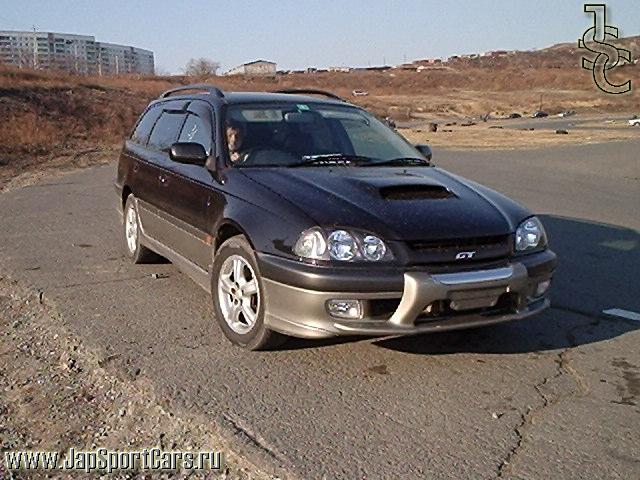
{"x":344,"y":308}
{"x":542,"y":288}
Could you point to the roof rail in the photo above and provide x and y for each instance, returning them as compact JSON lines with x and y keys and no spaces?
{"x":311,"y":91}
{"x":204,"y":87}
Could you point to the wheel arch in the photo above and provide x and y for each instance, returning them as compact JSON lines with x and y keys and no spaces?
{"x":227,"y":229}
{"x":126,"y":191}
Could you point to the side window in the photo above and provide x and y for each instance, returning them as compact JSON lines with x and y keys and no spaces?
{"x":165,"y":132}
{"x":197,"y":131}
{"x":143,"y":129}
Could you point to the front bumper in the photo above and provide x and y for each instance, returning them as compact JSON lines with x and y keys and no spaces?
{"x":416,"y":301}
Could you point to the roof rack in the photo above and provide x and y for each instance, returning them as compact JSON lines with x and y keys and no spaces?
{"x":311,"y":91}
{"x":204,"y":87}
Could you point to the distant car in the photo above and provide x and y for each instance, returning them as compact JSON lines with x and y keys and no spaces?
{"x":634,"y":122}
{"x":359,"y":93}
{"x":539,"y":114}
{"x":515,"y":115}
{"x":568,"y":113}
{"x":309,"y":217}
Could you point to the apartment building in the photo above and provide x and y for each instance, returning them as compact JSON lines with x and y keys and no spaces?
{"x":81,"y":54}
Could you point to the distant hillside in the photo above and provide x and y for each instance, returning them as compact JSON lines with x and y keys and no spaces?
{"x":561,"y":55}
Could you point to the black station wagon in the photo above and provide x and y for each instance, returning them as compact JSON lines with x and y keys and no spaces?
{"x":307,"y":216}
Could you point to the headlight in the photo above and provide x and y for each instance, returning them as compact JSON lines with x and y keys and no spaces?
{"x":342,"y":245}
{"x":373,"y":248}
{"x":530,"y":235}
{"x":311,"y":244}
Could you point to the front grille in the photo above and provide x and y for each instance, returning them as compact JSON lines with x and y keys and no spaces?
{"x":460,"y":243}
{"x":459,"y":252}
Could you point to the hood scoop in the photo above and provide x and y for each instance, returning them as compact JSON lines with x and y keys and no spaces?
{"x":415,"y":192}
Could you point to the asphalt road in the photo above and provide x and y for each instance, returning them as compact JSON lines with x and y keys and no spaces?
{"x":556,"y":396}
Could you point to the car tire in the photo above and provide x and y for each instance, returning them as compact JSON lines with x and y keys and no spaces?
{"x":134,"y":250}
{"x":239,"y":296}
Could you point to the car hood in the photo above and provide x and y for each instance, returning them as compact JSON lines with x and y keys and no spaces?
{"x":419,"y":203}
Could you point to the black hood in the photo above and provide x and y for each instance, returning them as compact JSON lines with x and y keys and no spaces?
{"x":421,"y":203}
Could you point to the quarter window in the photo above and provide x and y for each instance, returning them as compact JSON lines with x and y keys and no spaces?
{"x":165,"y":132}
{"x":143,"y":129}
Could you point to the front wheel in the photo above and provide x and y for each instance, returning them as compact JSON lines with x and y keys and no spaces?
{"x":239,"y":298}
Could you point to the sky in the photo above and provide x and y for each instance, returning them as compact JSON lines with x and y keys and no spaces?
{"x":324,"y":33}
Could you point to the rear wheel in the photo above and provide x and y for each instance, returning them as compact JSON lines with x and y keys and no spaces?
{"x":137,"y":252}
{"x":239,"y":298}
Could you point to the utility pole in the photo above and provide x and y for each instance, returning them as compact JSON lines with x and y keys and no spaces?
{"x":35,"y":48}
{"x":75,"y":56}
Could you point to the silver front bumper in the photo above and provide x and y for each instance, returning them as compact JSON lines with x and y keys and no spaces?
{"x":469,"y":295}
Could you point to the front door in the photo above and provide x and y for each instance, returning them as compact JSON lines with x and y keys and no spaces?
{"x":194,"y":194}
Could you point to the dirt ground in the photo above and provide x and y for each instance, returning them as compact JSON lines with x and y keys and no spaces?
{"x":501,"y":135}
{"x":34,"y":169}
{"x":56,"y":393}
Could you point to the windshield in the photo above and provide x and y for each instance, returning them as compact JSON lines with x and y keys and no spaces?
{"x":291,"y":134}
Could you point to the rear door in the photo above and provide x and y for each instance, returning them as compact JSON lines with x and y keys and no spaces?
{"x":135,"y":169}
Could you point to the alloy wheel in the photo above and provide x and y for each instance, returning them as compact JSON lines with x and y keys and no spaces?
{"x":238,"y":294}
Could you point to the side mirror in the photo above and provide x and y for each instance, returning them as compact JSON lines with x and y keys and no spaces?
{"x":425,"y":150}
{"x":188,"y":152}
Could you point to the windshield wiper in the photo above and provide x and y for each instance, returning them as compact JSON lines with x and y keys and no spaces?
{"x":401,"y":161}
{"x":332,"y":159}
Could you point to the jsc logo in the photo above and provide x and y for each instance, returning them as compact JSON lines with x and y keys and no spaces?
{"x":608,"y":55}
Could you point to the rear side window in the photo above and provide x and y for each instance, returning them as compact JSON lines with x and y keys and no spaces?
{"x":197,"y":131}
{"x":143,"y":129}
{"x":166,"y":130}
